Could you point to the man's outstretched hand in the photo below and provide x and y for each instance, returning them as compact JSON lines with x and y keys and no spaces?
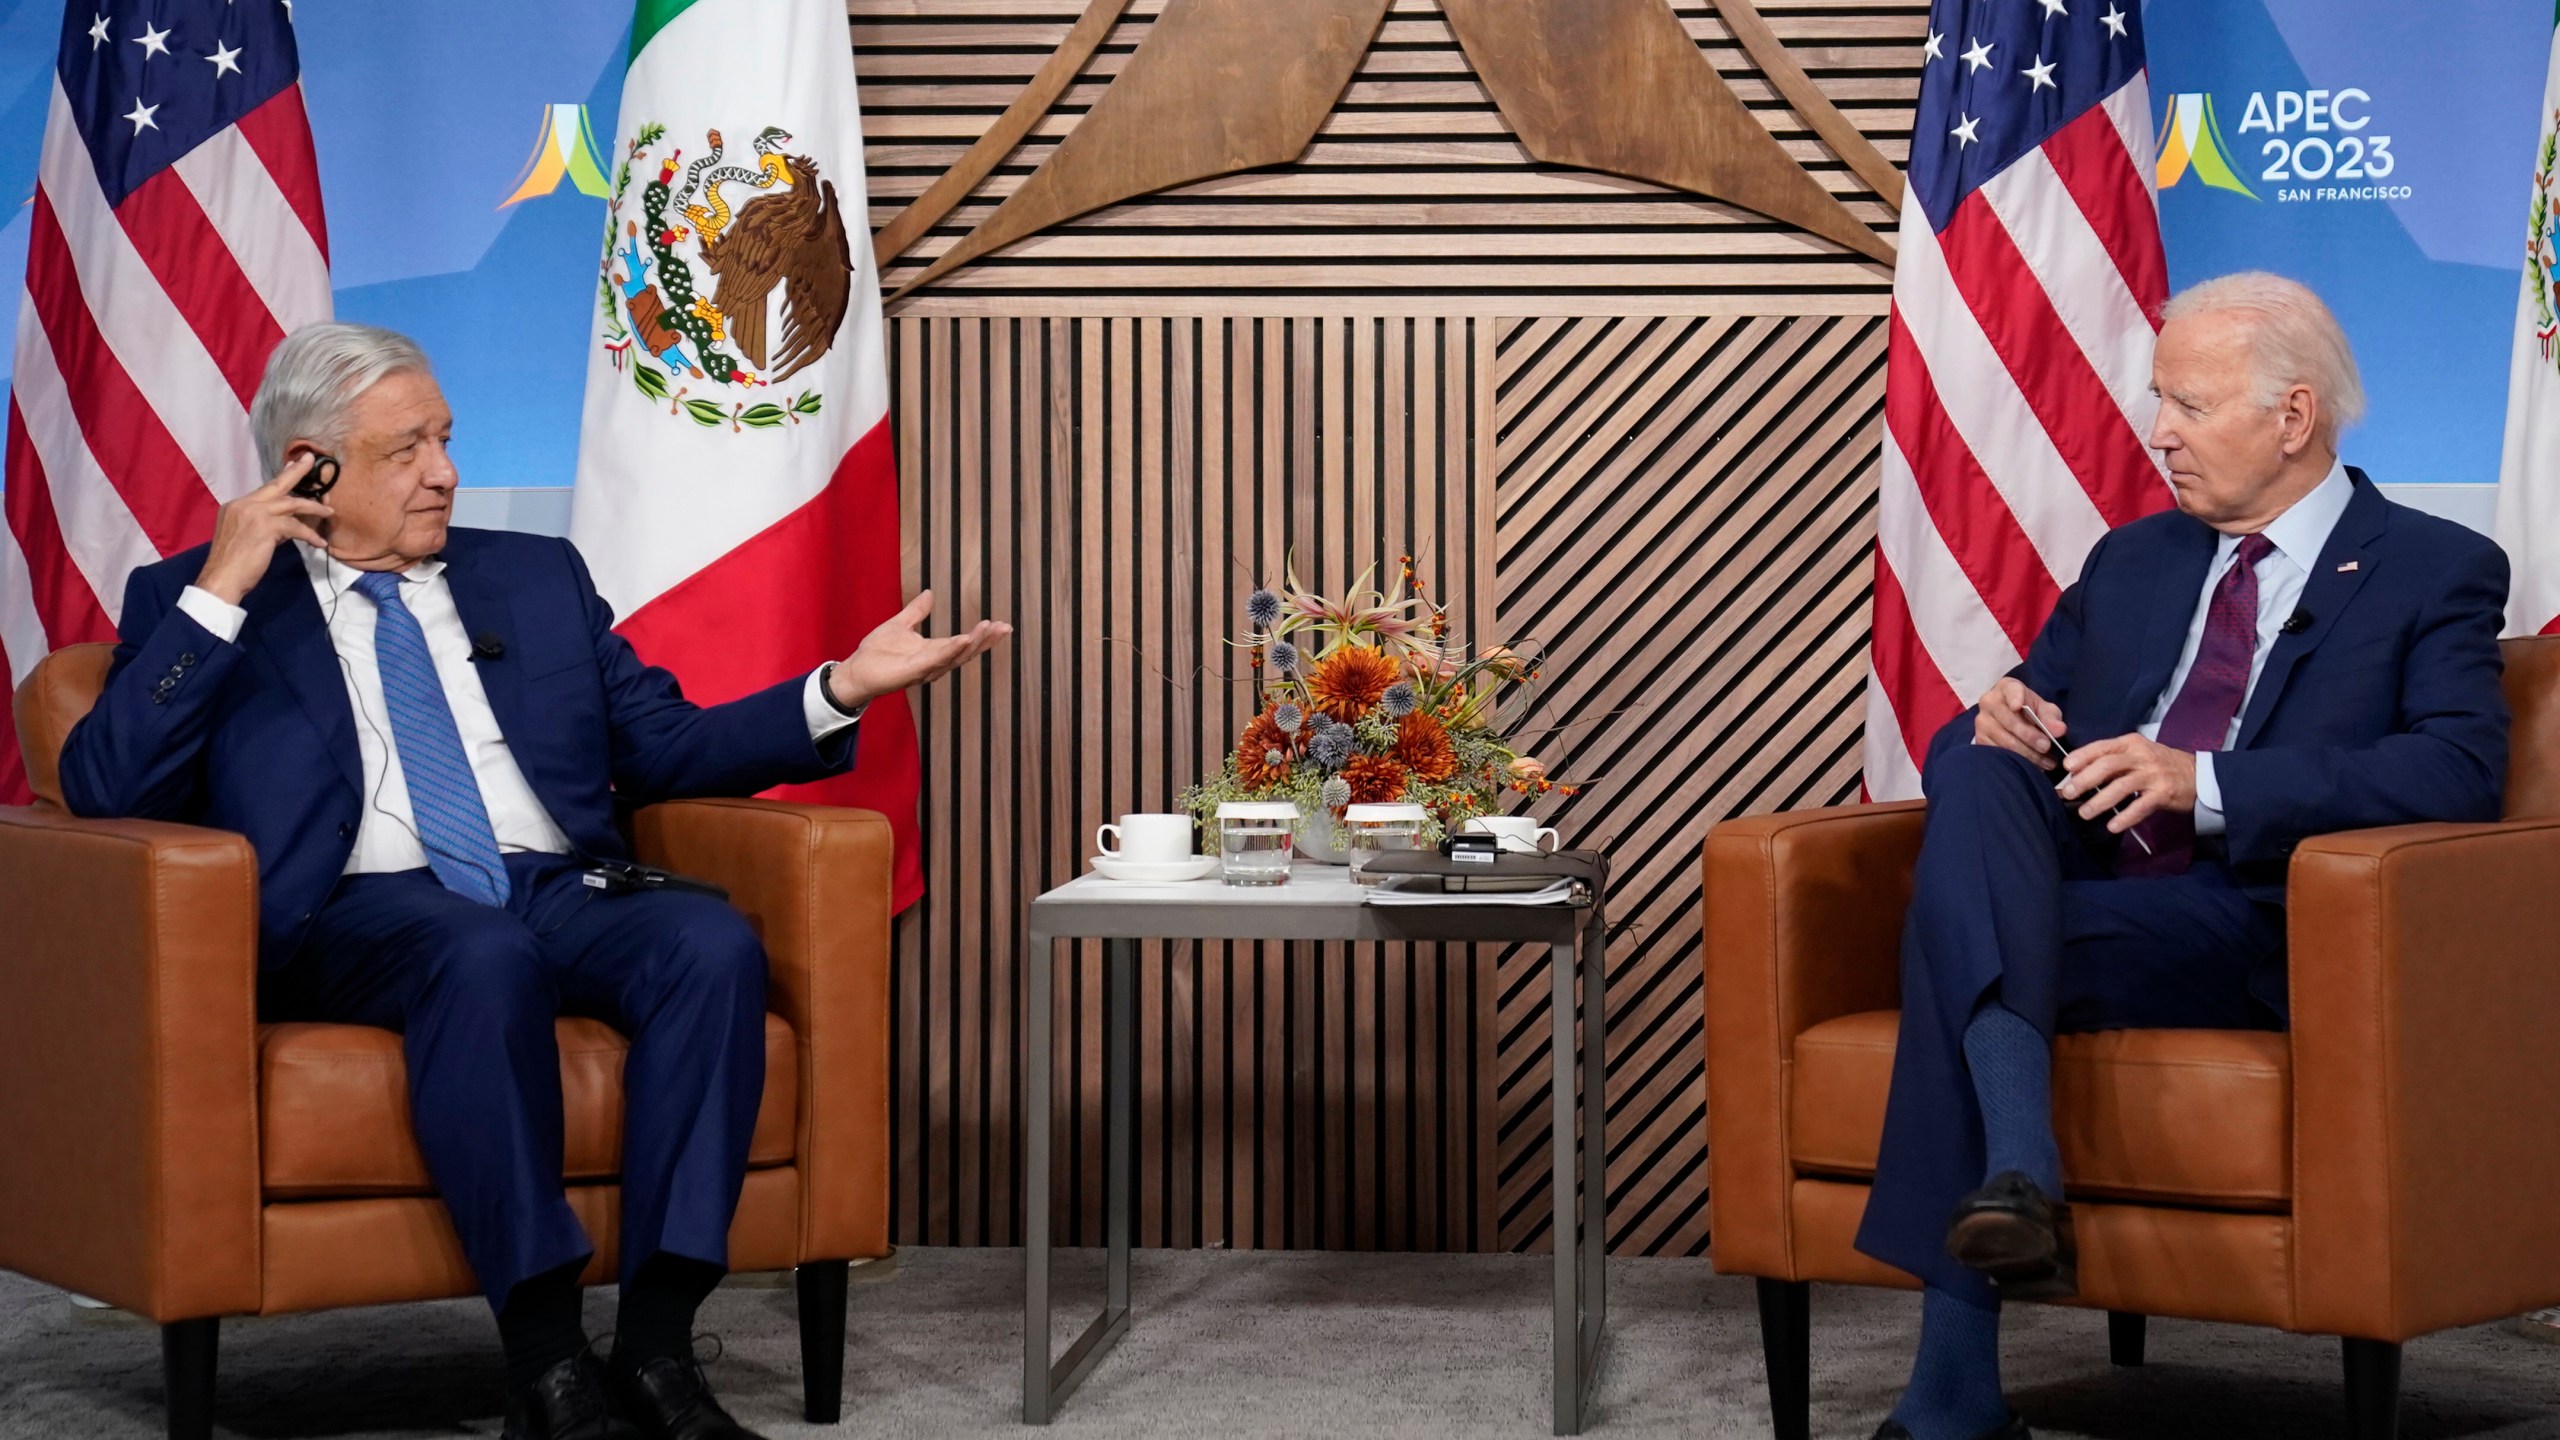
{"x":897,"y":655}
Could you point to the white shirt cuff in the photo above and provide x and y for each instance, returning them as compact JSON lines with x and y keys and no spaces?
{"x":823,"y":717}
{"x":2208,"y":796}
{"x":214,"y":613}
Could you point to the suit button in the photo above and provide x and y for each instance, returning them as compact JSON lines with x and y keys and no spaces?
{"x":187,"y":659}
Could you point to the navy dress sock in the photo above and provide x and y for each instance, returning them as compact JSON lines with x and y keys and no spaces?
{"x":1954,"y":1392}
{"x":2012,"y":1065}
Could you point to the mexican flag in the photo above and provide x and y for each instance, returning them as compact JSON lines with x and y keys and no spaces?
{"x":2529,"y":473}
{"x":737,"y":500}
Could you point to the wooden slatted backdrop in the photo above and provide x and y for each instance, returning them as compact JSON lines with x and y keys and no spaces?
{"x":1638,"y":427}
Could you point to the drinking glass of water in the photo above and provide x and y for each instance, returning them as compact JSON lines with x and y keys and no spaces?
{"x":1256,"y":841}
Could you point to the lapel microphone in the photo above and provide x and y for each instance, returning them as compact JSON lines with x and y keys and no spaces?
{"x":2297,"y":622}
{"x":486,"y":646}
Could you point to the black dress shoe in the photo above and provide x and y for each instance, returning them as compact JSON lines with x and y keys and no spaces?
{"x":567,"y":1402}
{"x":2016,"y":1429}
{"x":2020,"y":1237}
{"x":670,"y":1400}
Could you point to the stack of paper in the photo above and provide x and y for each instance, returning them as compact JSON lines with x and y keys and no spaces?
{"x":1394,"y":892}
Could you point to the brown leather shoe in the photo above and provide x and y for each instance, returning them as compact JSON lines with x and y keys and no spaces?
{"x":2019,"y":1237}
{"x":567,"y":1402}
{"x":671,"y":1400}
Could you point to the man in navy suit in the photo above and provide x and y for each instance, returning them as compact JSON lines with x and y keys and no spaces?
{"x":2285,"y":654}
{"x":425,"y":734}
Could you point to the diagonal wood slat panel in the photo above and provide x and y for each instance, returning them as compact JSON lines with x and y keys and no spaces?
{"x":1685,"y":511}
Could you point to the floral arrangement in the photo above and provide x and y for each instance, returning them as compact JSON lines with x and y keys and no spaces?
{"x":1366,"y":699}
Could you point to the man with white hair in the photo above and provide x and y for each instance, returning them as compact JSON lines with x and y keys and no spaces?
{"x":425,"y":732}
{"x":2283,"y":655}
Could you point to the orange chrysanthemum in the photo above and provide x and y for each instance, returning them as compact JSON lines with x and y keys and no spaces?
{"x":1375,"y":780}
{"x":1350,"y":680}
{"x":1423,"y":749}
{"x":1254,"y":750}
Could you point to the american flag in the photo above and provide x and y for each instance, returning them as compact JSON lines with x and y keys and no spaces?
{"x":176,"y":237}
{"x":2017,"y":386}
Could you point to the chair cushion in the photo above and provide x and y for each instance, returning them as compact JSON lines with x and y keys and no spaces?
{"x":333,"y":1108}
{"x":2193,"y":1117}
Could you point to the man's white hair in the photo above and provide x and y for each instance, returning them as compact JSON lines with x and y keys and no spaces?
{"x":2293,"y":340}
{"x":315,"y":375}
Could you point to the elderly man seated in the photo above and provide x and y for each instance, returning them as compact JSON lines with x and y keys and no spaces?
{"x":2285,"y":654}
{"x":427,"y":839}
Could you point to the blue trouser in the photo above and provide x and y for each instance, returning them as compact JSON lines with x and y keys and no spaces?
{"x":2014,"y":893}
{"x":473,"y":991}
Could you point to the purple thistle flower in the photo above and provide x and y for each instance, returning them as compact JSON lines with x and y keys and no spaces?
{"x":1289,"y":718}
{"x":1334,"y":747}
{"x":1284,"y":657}
{"x":1262,"y":608}
{"x":1335,"y":794}
{"x":1399,"y":700}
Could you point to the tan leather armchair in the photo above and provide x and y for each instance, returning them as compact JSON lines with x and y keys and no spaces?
{"x":2386,"y":1169}
{"x":170,"y":1155}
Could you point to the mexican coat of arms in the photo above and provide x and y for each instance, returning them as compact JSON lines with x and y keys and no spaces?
{"x":758,"y":232}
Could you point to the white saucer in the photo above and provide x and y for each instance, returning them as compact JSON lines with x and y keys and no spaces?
{"x":1155,"y":872}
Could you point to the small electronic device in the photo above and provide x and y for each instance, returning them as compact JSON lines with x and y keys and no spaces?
{"x":319,"y":480}
{"x":623,"y":877}
{"x":1472,"y":849}
{"x":2064,"y":751}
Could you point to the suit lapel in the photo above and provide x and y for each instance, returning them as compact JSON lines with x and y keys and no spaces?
{"x":486,"y":611}
{"x":2173,"y":605}
{"x":288,"y":634}
{"x":2335,"y":577}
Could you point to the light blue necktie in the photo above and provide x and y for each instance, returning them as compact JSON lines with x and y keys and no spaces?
{"x":453,"y":821}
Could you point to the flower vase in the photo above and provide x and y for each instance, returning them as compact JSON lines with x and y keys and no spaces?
{"x":1321,"y":840}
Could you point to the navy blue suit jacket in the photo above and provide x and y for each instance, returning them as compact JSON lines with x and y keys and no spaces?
{"x":259,"y":736}
{"x":2385,"y":710}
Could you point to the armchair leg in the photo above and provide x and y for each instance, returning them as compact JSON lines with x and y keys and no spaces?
{"x":2373,"y":1389}
{"x":821,"y":1284}
{"x":1786,"y":1343}
{"x":2125,"y":1333}
{"x":187,"y":1351}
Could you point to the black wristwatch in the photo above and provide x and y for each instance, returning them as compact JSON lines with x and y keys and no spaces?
{"x":827,"y":692}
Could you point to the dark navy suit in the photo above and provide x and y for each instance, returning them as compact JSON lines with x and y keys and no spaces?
{"x":259,"y":737}
{"x":2383,"y":709}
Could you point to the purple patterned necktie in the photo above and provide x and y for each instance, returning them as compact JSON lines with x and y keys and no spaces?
{"x":2200,"y":718}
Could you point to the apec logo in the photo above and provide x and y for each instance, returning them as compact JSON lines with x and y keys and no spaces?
{"x":2317,"y":146}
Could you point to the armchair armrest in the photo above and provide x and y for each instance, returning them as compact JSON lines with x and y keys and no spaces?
{"x":814,"y":880}
{"x":2425,"y":974}
{"x":128,"y":1062}
{"x":1803,"y":924}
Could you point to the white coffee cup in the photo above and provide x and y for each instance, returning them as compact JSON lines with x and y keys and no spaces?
{"x":1147,"y":839}
{"x":1516,"y":832}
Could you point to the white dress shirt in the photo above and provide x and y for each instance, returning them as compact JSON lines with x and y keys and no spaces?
{"x":387,"y":836}
{"x":2297,"y":535}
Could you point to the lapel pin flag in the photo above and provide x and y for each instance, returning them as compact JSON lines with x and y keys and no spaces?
{"x":2350,"y":565}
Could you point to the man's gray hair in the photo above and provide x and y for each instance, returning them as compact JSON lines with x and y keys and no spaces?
{"x":2293,"y":340}
{"x":315,"y":375}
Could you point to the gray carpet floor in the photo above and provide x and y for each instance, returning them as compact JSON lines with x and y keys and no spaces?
{"x":1266,"y":1344}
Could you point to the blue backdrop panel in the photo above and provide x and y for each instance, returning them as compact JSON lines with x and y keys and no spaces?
{"x":429,"y":119}
{"x":2387,"y":153}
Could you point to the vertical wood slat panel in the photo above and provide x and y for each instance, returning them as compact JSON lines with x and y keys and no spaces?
{"x":1146,"y":472}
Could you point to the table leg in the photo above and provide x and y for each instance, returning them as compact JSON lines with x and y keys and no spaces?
{"x":1562,"y":1069}
{"x":1047,"y":1384}
{"x":1595,"y":1152}
{"x":1039,"y":1019}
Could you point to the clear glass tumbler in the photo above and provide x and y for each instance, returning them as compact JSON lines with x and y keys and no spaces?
{"x":1256,"y":841}
{"x":1372,"y":830}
